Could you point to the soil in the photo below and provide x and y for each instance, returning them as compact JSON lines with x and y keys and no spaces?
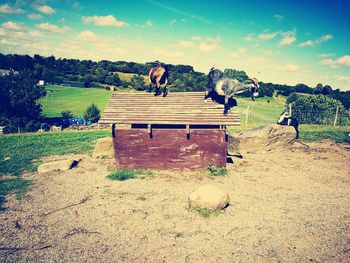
{"x":290,"y":205}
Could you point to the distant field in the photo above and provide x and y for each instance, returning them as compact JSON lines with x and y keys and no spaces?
{"x":60,"y":98}
{"x":76,"y":100}
{"x":127,"y":76}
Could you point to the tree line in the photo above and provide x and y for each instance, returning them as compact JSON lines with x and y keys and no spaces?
{"x":181,"y":77}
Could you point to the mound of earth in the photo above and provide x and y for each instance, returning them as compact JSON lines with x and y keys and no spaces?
{"x":264,"y":138}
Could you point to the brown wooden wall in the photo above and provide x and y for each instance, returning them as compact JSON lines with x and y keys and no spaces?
{"x":169,"y":148}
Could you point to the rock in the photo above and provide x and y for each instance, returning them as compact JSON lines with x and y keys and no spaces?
{"x":62,"y":165}
{"x":104,"y":148}
{"x":210,"y":197}
{"x":267,"y":137}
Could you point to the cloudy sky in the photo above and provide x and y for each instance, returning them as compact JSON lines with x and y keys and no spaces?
{"x":280,"y":41}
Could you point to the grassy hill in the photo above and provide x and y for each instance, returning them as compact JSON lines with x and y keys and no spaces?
{"x":60,"y":98}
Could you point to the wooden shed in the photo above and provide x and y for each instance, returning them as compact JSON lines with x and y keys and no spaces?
{"x":180,"y":131}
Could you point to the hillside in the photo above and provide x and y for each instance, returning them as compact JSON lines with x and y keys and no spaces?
{"x":60,"y":98}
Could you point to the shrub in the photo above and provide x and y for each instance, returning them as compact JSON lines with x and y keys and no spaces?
{"x":319,"y":109}
{"x":67,"y":114}
{"x":92,"y":113}
{"x":124,"y":174}
{"x":217,"y":171}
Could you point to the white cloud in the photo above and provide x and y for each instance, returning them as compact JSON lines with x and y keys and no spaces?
{"x":238,"y":52}
{"x":326,"y":55}
{"x":249,"y":37}
{"x":308,"y":43}
{"x":45,"y":9}
{"x":34,"y":16}
{"x":342,"y":78}
{"x":234,"y":55}
{"x":207,"y":48}
{"x":267,"y":36}
{"x":196,"y":38}
{"x":149,"y":23}
{"x":324,"y":38}
{"x":87,"y":35}
{"x":170,"y":55}
{"x":288,"y":38}
{"x":267,"y":52}
{"x":278,"y":17}
{"x":213,"y":39}
{"x":76,"y":5}
{"x":6,"y":9}
{"x":291,"y":68}
{"x":13,"y":26}
{"x":52,"y":28}
{"x":172,"y":22}
{"x":343,"y":61}
{"x":186,"y":44}
{"x":108,"y":20}
{"x":242,"y":50}
{"x":257,"y":60}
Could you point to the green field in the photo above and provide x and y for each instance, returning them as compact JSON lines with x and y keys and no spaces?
{"x":60,"y":98}
{"x":21,"y":153}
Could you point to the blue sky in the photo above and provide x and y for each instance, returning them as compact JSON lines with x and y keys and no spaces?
{"x":276,"y":41}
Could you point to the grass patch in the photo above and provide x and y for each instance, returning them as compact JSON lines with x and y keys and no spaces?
{"x":13,"y":185}
{"x":204,"y":212}
{"x":217,"y":171}
{"x":19,"y":153}
{"x":60,"y":98}
{"x":124,"y":174}
{"x":321,"y":132}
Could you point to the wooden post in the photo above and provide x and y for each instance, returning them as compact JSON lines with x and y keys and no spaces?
{"x":188,"y":131}
{"x":246,"y":115}
{"x":290,"y":110}
{"x":336,"y":116}
{"x":149,"y":127}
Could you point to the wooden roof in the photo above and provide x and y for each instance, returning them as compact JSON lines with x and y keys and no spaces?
{"x":176,"y":108}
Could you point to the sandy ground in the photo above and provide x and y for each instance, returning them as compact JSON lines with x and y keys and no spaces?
{"x":290,"y":206}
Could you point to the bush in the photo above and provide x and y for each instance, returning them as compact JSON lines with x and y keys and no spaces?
{"x":67,"y":114}
{"x":292,"y":97}
{"x":217,"y":171}
{"x":92,"y":113}
{"x":319,"y":109}
{"x":124,"y":174}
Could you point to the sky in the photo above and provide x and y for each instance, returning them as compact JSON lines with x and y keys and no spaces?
{"x":284,"y":42}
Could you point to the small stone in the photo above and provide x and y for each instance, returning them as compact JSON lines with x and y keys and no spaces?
{"x":104,"y":148}
{"x":62,"y":165}
{"x":210,"y":197}
{"x":7,"y":158}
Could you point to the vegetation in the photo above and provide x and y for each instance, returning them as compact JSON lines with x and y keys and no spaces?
{"x":319,"y":109}
{"x":92,"y":114}
{"x":124,"y":174}
{"x":21,"y":153}
{"x":61,"y":98}
{"x":321,"y":132}
{"x":217,"y":171}
{"x":66,"y":114}
{"x":204,"y":212}
{"x":18,"y":106}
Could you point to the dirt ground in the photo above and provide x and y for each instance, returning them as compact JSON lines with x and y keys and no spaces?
{"x":287,"y":205}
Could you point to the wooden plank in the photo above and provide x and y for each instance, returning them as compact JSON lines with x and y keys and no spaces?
{"x":176,"y":108}
{"x":170,"y":149}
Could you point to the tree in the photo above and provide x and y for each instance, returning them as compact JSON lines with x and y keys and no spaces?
{"x":92,"y":113}
{"x":67,"y":114}
{"x":18,"y":101}
{"x":138,"y":82}
{"x":319,"y":109}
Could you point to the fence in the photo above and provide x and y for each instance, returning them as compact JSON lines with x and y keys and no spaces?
{"x":256,"y":115}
